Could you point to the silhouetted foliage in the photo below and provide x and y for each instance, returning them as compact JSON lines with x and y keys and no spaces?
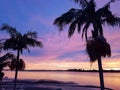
{"x":19,"y":64}
{"x":87,"y":16}
{"x":18,"y":42}
{"x":5,"y":61}
{"x":82,"y":19}
{"x":98,"y":47}
{"x":11,"y":30}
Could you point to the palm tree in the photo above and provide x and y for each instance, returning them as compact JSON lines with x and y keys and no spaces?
{"x":85,"y":17}
{"x":5,"y":60}
{"x":19,"y":42}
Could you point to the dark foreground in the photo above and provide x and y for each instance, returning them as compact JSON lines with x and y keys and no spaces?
{"x":46,"y":85}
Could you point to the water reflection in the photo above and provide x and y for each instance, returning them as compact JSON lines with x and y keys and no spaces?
{"x":112,"y":80}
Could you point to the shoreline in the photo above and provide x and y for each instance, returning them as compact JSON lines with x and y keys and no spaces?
{"x":47,"y":85}
{"x":69,"y":70}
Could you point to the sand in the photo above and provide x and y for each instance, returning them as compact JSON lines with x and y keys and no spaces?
{"x":46,"y":85}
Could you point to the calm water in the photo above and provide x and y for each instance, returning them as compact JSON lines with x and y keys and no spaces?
{"x":112,"y":80}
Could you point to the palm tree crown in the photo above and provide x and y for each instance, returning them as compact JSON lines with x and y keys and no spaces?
{"x":87,"y":16}
{"x":18,"y":41}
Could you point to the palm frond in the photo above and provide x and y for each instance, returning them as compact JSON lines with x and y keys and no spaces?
{"x":10,"y":44}
{"x":112,"y":21}
{"x":31,"y":34}
{"x":11,"y":30}
{"x":22,"y":42}
{"x":81,"y":20}
{"x":85,"y":30}
{"x":100,"y":28}
{"x":66,"y":18}
{"x":7,"y":56}
{"x":79,"y":25}
{"x":82,"y":3}
{"x":5,"y":60}
{"x":78,"y":22}
{"x":71,"y":29}
{"x":2,"y":65}
{"x":107,"y":17}
{"x":92,"y":4}
{"x":102,"y":12}
{"x":32,"y":42}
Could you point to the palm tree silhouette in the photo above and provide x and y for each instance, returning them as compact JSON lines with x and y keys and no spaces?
{"x":82,"y":19}
{"x":5,"y":61}
{"x":20,"y":65}
{"x":18,"y":42}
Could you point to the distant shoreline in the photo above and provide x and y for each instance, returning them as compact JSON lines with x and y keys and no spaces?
{"x":71,"y":70}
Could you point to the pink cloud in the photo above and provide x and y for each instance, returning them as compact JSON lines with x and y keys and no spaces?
{"x":57,"y":44}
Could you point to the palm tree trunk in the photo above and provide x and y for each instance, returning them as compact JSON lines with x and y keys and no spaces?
{"x":101,"y":73}
{"x":16,"y":71}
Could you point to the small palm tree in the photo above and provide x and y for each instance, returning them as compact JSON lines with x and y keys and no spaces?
{"x":5,"y":60}
{"x":18,"y":42}
{"x":85,"y":17}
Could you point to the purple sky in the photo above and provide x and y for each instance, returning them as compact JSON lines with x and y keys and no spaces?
{"x":59,"y":52}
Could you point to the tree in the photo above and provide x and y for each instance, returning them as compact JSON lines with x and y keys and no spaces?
{"x":5,"y":61}
{"x":19,"y":42}
{"x":82,"y":19}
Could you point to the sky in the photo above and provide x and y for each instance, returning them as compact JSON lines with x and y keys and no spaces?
{"x":59,"y":52}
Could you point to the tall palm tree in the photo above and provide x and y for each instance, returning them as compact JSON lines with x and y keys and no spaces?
{"x":5,"y":60}
{"x":85,"y":17}
{"x":19,"y":42}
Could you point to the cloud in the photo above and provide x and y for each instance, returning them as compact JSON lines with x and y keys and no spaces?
{"x":61,"y":45}
{"x":60,"y":52}
{"x":58,"y":48}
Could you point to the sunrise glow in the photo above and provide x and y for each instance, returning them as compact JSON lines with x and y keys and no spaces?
{"x":59,"y":51}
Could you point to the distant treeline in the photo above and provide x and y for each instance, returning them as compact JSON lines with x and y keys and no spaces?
{"x":70,"y":70}
{"x":82,"y":70}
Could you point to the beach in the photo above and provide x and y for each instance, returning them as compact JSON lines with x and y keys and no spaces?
{"x":47,"y":85}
